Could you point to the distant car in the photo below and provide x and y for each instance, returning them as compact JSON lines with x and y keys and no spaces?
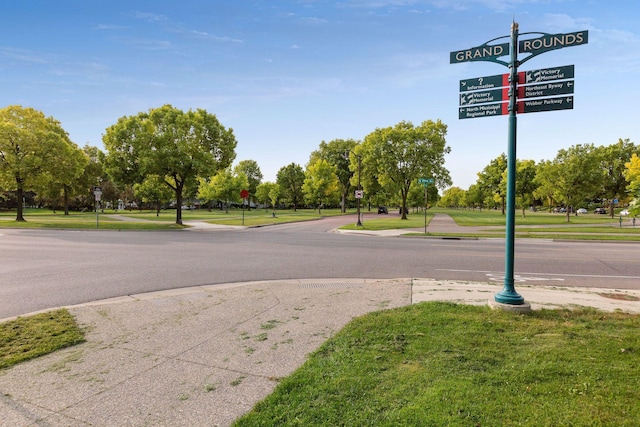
{"x":382,"y":210}
{"x":581,"y":211}
{"x":601,"y":211}
{"x":624,"y":212}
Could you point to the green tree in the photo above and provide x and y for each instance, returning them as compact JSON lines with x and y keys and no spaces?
{"x":64,"y":178}
{"x":525,"y":183}
{"x":290,"y":179}
{"x":612,"y":161}
{"x":475,"y":197}
{"x":262,"y":193}
{"x":274,"y":195}
{"x":632,"y":175}
{"x":545,"y":189}
{"x":224,"y":186}
{"x":574,"y":173}
{"x":491,"y":181}
{"x":153,"y":190}
{"x":337,"y":153}
{"x":95,"y":175}
{"x":374,"y":192}
{"x":177,"y":146}
{"x":453,"y":197}
{"x":30,"y":147}
{"x":321,"y":184}
{"x":254,"y":176}
{"x":401,"y":154}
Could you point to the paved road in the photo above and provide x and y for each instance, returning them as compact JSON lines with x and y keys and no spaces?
{"x":41,"y":269}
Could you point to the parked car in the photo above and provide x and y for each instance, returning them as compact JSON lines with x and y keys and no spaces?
{"x":581,"y":211}
{"x":601,"y":211}
{"x":382,"y":210}
{"x":624,"y":212}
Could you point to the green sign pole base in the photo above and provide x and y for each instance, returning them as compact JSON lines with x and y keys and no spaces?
{"x":509,"y":296}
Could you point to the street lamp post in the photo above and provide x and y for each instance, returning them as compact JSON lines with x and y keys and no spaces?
{"x":359,"y":191}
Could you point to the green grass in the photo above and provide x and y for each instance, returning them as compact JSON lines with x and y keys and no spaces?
{"x":28,"y":337}
{"x":43,"y":218}
{"x":148,"y":220}
{"x":533,"y":225}
{"x":495,"y":217}
{"x":441,"y":364}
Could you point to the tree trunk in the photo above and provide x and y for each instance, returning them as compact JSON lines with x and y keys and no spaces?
{"x":404,"y":204}
{"x":65,"y":196}
{"x":20,"y":195}
{"x":179,"y":204}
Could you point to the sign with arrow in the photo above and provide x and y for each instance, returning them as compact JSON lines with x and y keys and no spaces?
{"x":548,"y":74}
{"x":546,"y":104}
{"x":546,"y":89}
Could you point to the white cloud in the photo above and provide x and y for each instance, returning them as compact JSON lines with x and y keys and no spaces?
{"x":22,"y":55}
{"x":149,"y":17}
{"x":109,"y":27}
{"x":205,"y":35}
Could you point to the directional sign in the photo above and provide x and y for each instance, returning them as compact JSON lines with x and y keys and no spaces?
{"x":484,"y":96}
{"x":548,"y":74}
{"x":553,"y":41}
{"x":546,"y":104}
{"x":488,"y":82}
{"x":484,"y":110}
{"x":546,"y":89}
{"x":484,"y":52}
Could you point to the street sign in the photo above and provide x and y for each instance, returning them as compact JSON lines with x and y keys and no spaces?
{"x":548,"y":74}
{"x":553,"y":41}
{"x":244,"y":193}
{"x":540,"y":102}
{"x":546,"y":89}
{"x":546,"y":104}
{"x":488,"y":82}
{"x":97,"y":190}
{"x":484,"y":52}
{"x":425,"y":180}
{"x":359,"y":194}
{"x":484,"y":96}
{"x":484,"y":110}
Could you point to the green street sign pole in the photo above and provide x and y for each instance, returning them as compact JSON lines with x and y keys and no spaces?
{"x":491,"y":53}
{"x":508,"y":295}
{"x":426,"y":206}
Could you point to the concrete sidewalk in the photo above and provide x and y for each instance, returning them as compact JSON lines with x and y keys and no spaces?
{"x":204,"y":356}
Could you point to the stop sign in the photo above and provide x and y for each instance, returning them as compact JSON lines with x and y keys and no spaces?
{"x":244,"y":194}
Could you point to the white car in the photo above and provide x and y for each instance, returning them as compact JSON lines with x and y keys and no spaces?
{"x":624,"y":212}
{"x":581,"y":211}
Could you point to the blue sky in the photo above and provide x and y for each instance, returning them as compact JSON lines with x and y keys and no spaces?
{"x":286,"y":75}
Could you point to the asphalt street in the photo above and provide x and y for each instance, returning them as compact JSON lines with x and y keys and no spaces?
{"x":41,"y":269}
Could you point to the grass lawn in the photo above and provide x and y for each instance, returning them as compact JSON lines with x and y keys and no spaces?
{"x":149,"y":220}
{"x":28,"y":337}
{"x":437,"y":364}
{"x":44,"y":218}
{"x":495,"y":217}
{"x":533,"y":225}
